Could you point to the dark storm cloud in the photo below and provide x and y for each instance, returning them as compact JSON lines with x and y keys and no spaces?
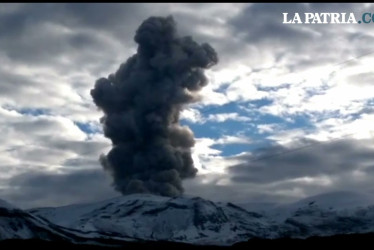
{"x":26,"y":39}
{"x":82,"y":148}
{"x":80,"y":162}
{"x":142,"y":101}
{"x":44,"y":44}
{"x":50,"y":150}
{"x":264,"y":22}
{"x":284,"y":174}
{"x":11,"y":81}
{"x":38,"y":188}
{"x":280,"y":164}
{"x":261,"y":25}
{"x":99,"y":15}
{"x":47,"y":140}
{"x":44,"y":34}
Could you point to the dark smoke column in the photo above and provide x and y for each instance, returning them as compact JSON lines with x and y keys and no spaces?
{"x":151,"y":152}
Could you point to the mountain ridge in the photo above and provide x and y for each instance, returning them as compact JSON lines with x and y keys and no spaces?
{"x":193,"y":220}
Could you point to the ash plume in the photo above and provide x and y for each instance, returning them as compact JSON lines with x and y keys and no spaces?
{"x":141,"y":102}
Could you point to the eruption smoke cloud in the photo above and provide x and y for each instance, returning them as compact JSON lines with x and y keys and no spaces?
{"x":151,"y":151}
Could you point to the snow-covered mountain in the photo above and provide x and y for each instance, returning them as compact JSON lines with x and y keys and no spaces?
{"x":191,"y":220}
{"x":149,"y":217}
{"x":18,"y":224}
{"x":324,"y":215}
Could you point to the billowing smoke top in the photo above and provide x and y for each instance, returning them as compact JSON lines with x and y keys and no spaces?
{"x":151,"y":152}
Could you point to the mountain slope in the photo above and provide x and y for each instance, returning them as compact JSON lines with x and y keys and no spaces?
{"x":190,"y":220}
{"x":150,"y":217}
{"x":341,"y":200}
{"x":18,"y":224}
{"x":324,"y":215}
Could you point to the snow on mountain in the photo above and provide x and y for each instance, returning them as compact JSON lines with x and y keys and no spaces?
{"x":18,"y":224}
{"x":341,"y":201}
{"x":336,"y":200}
{"x":324,"y":215}
{"x":149,"y":217}
{"x":191,"y":220}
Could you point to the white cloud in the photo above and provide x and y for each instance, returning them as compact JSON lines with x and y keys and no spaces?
{"x":43,"y":143}
{"x":208,"y":160}
{"x":212,"y":97}
{"x":268,"y":128}
{"x":192,"y":115}
{"x":333,"y":128}
{"x":221,"y":117}
{"x":195,"y":116}
{"x":230,"y":139}
{"x":202,"y":153}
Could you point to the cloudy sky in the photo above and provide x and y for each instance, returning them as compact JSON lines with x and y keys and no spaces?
{"x":288,"y":112}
